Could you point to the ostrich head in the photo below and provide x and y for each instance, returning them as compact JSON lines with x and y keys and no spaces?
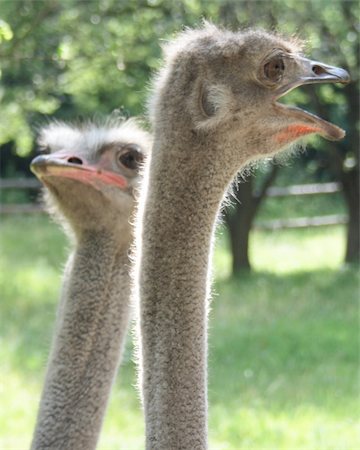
{"x":221,"y":89}
{"x":91,"y":172}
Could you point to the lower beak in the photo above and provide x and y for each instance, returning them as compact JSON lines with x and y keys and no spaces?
{"x":307,"y":71}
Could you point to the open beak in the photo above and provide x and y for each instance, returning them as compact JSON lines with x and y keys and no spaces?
{"x":310,"y":72}
{"x":64,"y":165}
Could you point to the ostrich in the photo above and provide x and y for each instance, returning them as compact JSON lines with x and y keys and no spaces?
{"x":91,"y":176}
{"x":213,"y":111}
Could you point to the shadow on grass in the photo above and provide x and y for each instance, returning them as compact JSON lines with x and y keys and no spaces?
{"x":285,"y":340}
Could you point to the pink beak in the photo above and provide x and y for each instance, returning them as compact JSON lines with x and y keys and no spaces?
{"x":64,"y":165}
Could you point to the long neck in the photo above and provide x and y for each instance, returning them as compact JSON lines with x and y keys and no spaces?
{"x":178,"y":221}
{"x":91,"y":328}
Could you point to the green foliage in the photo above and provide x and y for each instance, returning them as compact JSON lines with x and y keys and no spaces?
{"x":283,"y":350}
{"x":70,"y":59}
{"x":6,"y":33}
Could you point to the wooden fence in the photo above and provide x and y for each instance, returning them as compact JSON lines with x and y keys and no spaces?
{"x":300,"y":222}
{"x":20,"y":183}
{"x":303,"y":222}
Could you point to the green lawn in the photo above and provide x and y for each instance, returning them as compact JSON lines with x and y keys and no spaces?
{"x":283,"y":350}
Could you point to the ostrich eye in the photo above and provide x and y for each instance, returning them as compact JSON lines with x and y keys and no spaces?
{"x":131,"y":158}
{"x":274,"y":69}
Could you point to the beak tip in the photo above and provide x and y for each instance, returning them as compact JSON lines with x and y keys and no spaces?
{"x":323,"y":73}
{"x":39,"y":165}
{"x":38,"y":161}
{"x":347,"y":79}
{"x":343,"y":76}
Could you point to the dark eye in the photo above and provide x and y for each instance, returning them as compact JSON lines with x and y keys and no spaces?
{"x":131,"y":158}
{"x":274,"y":69}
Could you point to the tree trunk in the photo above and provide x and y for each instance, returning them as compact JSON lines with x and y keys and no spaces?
{"x":350,"y":181}
{"x":241,"y":217}
{"x":239,"y":225}
{"x":240,"y":248}
{"x":349,"y":177}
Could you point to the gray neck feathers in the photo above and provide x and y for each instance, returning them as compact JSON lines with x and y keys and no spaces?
{"x":91,"y":327}
{"x":178,"y":219}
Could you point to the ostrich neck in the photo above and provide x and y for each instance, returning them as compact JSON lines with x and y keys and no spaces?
{"x":90,"y":332}
{"x":179,"y":217}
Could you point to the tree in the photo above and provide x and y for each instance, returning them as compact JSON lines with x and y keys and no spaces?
{"x":332,"y":30}
{"x":240,"y":216}
{"x":67,"y":59}
{"x":343,"y":159}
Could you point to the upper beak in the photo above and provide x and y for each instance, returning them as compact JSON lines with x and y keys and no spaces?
{"x":41,"y":163}
{"x":64,"y":165}
{"x":317,"y":72}
{"x":313,"y":72}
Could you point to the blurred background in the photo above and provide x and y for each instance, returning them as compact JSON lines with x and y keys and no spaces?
{"x":284,"y":353}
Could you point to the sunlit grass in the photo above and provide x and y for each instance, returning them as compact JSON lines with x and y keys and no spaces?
{"x":290,"y":251}
{"x":303,"y":428}
{"x":19,"y":397}
{"x":286,"y":251}
{"x":283,"y":347}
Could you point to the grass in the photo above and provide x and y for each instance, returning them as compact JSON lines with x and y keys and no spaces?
{"x":283,"y":347}
{"x":287,"y":357}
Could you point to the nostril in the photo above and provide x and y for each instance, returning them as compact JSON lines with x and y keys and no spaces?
{"x":75,"y":160}
{"x":318,"y":70}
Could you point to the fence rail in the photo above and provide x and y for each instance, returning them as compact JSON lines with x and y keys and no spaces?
{"x":304,"y":189}
{"x":21,"y":208}
{"x":19,"y":183}
{"x":300,"y":222}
